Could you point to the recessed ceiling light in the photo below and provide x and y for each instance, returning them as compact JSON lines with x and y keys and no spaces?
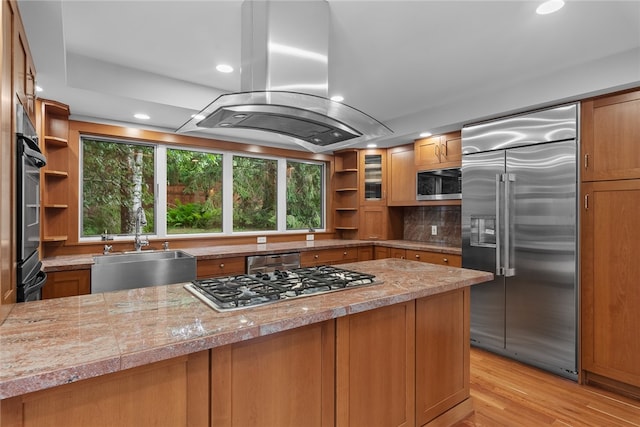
{"x":141,"y":116}
{"x":337,"y":98}
{"x":372,"y":145}
{"x":39,"y":89}
{"x":224,"y":68}
{"x":549,"y":6}
{"x":425,"y":134}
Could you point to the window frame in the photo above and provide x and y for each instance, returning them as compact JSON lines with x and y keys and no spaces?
{"x":117,"y":237}
{"x":160,"y":194}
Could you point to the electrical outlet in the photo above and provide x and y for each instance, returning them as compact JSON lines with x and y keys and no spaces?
{"x":310,"y":237}
{"x":434,"y":230}
{"x":262,"y":239}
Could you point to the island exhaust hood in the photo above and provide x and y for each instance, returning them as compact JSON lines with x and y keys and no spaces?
{"x":284,"y":83}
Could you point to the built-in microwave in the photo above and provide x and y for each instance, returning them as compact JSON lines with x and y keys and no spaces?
{"x":439,"y":184}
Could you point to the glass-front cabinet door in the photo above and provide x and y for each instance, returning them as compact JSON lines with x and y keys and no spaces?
{"x":373,"y":183}
{"x":372,"y":177}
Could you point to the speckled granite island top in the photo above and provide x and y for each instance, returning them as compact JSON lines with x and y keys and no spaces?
{"x":52,"y":342}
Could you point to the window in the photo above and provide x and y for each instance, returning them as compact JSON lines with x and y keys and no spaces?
{"x":194,"y":192}
{"x":255,"y":185}
{"x":304,"y":195}
{"x":117,"y":179}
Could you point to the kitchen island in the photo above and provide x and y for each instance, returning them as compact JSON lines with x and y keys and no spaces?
{"x":396,"y":352}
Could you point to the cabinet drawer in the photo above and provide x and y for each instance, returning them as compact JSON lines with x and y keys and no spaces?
{"x":435,"y":258}
{"x":221,"y":267}
{"x":329,"y":256}
{"x":397,"y":253}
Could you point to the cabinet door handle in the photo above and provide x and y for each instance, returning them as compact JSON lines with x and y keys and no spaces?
{"x":344,"y":253}
{"x":222,"y":265}
{"x":445,"y":259}
{"x":586,"y":202}
{"x":316,"y":256}
{"x":417,"y":256}
{"x":586,"y":160}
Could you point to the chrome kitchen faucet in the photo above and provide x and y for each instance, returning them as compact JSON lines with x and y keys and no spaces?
{"x":141,"y":221}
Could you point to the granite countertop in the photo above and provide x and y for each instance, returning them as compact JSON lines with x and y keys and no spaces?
{"x":53,"y":342}
{"x":80,"y":262}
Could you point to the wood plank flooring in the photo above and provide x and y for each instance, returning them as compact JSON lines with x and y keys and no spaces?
{"x":508,"y":393}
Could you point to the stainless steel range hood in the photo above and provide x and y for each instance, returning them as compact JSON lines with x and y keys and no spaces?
{"x":284,"y":82}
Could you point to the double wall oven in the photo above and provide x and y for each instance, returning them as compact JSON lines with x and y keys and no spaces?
{"x":30,"y":276}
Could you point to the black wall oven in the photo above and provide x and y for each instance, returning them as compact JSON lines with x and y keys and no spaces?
{"x":30,"y":276}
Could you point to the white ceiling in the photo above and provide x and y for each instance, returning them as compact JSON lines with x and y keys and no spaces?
{"x":413,"y":65}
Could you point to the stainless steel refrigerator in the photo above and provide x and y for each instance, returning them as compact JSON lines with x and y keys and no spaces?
{"x":519,"y":221}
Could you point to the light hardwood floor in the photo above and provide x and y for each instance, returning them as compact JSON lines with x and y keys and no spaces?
{"x":508,"y":393}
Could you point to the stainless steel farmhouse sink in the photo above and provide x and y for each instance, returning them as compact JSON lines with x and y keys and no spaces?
{"x":131,"y":270}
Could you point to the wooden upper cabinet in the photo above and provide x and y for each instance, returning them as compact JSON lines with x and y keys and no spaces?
{"x":439,"y":152}
{"x":55,"y":184}
{"x":23,"y":69}
{"x":345,"y":193}
{"x":611,"y":137}
{"x":402,"y":175}
{"x":373,"y":177}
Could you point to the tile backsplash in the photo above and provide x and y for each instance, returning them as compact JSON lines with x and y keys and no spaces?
{"x":419,"y":219}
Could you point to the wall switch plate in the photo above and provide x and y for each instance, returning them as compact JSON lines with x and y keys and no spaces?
{"x":434,"y":230}
{"x":310,"y":237}
{"x":262,"y":239}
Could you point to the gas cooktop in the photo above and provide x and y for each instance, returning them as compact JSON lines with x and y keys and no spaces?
{"x":251,"y":290}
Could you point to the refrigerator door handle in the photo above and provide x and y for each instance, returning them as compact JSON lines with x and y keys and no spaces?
{"x":499,"y":267}
{"x":509,"y":269}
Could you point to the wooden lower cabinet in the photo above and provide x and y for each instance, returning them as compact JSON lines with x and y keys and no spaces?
{"x":434,"y":258}
{"x":380,"y":252}
{"x":422,"y":256}
{"x":285,"y":379}
{"x":375,"y":367}
{"x":365,"y":253}
{"x":401,"y":365}
{"x":169,"y":393}
{"x":328,"y":256}
{"x":67,"y":283}
{"x":220,"y":267}
{"x":442,"y":353}
{"x":405,"y":364}
{"x":610,"y":295}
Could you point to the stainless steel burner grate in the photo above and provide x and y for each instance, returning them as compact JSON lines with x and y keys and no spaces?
{"x":242,"y":291}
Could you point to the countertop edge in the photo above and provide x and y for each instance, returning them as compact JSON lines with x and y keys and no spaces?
{"x":85,"y":261}
{"x":287,"y":315}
